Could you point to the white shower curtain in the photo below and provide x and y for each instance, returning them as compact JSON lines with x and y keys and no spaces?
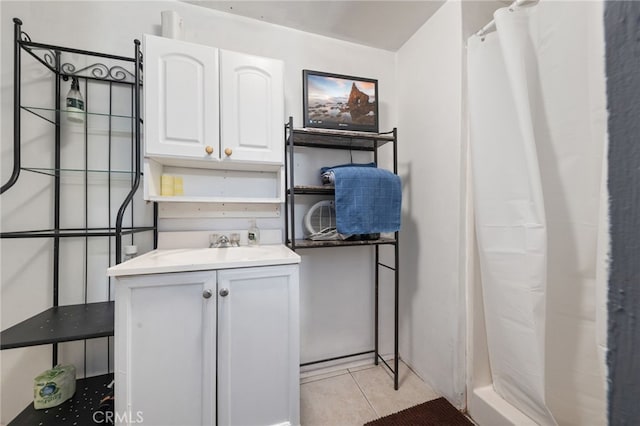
{"x":536,"y":114}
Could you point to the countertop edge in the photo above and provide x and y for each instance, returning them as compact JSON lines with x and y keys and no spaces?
{"x":123,"y":270}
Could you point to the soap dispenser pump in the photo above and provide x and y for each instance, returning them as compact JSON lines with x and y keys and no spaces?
{"x":253,"y":235}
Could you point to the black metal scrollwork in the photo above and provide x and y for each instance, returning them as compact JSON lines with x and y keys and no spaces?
{"x":98,"y":71}
{"x":47,"y":57}
{"x":118,"y":73}
{"x":50,"y":58}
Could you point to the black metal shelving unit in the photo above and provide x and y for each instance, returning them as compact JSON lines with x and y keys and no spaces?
{"x":353,"y":141}
{"x":86,"y":320}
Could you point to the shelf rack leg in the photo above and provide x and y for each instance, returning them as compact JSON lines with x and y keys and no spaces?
{"x":136,"y":182}
{"x":16,"y":106}
{"x":396,"y":284}
{"x":292,"y":200}
{"x":376,"y":309}
{"x":396,"y":265}
{"x":396,"y":316}
{"x":396,"y":356}
{"x":287,"y":135}
{"x":56,"y":204}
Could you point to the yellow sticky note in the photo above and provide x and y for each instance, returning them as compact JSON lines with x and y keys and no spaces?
{"x":178,"y":187}
{"x":166,"y":185}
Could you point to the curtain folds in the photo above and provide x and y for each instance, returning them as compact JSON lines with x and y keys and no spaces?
{"x":537,"y":160}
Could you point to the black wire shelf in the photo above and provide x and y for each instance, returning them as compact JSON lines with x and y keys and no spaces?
{"x":340,"y":243}
{"x":75,"y":232}
{"x":82,"y":409}
{"x":48,"y":171}
{"x":340,"y":139}
{"x":61,"y":324}
{"x":313,"y":190}
{"x":49,"y":114}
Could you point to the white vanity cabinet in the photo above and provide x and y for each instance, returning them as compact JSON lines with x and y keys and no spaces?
{"x":209,"y":347}
{"x":165,"y":348}
{"x":258,"y":346}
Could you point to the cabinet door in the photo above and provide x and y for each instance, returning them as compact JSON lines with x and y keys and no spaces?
{"x":180,"y":98}
{"x":258,"y":346}
{"x":251,"y":107}
{"x":165,"y":349}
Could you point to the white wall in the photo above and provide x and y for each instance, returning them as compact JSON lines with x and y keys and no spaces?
{"x":432,"y":338}
{"x":331,"y":285}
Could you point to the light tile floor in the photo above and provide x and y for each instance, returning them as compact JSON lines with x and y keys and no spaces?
{"x":354,"y":396}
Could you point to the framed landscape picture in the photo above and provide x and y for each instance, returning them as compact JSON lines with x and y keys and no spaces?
{"x":334,"y":101}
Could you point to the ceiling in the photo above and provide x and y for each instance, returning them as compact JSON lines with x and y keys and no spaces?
{"x":382,"y":24}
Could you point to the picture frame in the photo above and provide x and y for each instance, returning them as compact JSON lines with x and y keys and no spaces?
{"x":341,"y":102}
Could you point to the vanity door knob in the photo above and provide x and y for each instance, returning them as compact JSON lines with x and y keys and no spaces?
{"x":228,"y":152}
{"x":207,"y":294}
{"x":209,"y":149}
{"x":224,"y":292}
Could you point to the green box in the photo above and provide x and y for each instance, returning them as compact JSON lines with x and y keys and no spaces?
{"x":53,"y":387}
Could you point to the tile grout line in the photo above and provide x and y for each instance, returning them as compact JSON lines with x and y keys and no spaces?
{"x":365,"y":395}
{"x":323,"y":376}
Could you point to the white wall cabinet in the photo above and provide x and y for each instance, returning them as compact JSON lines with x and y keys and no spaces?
{"x":210,"y":109}
{"x":166,"y":347}
{"x":252,"y":112}
{"x":181,"y":93}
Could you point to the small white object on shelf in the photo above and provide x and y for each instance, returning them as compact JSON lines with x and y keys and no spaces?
{"x":253,"y":235}
{"x":75,"y":102}
{"x":130,"y":252}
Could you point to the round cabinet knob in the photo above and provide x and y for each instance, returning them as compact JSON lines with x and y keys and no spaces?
{"x":224,"y":292}
{"x":209,"y":149}
{"x":207,"y":294}
{"x":228,"y":152}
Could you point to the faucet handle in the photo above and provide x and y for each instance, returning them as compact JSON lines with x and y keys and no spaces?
{"x":213,"y":240}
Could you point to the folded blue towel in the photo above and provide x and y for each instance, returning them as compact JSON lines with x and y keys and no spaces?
{"x":368,"y":200}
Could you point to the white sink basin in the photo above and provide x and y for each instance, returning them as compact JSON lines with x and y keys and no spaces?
{"x":181,"y":260}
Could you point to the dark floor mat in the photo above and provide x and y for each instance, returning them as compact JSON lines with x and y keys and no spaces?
{"x":438,"y":412}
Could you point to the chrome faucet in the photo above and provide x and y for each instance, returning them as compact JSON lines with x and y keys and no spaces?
{"x":218,"y":242}
{"x":223,"y":241}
